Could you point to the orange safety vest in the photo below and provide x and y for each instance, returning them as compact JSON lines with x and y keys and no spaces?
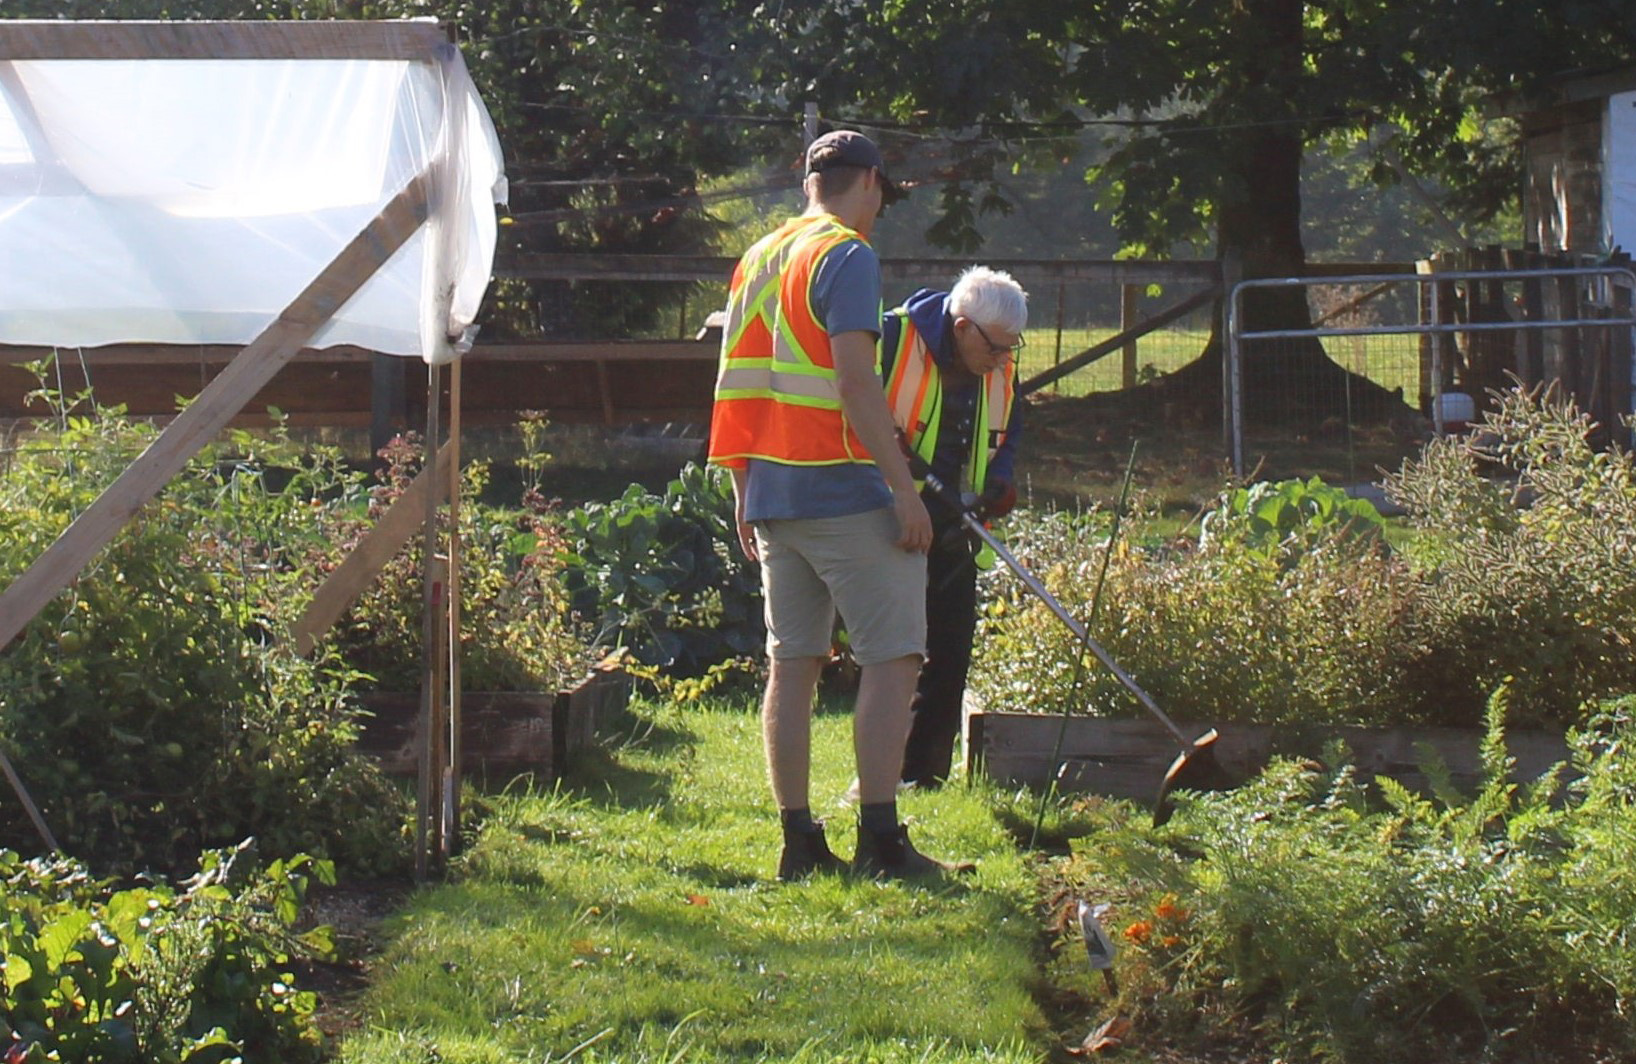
{"x":777,"y":394}
{"x":914,"y":391}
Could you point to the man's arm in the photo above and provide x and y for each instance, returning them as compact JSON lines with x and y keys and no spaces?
{"x":746,"y":532}
{"x":863,"y":401}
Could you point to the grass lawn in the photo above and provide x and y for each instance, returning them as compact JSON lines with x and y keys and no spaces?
{"x":631,"y":915}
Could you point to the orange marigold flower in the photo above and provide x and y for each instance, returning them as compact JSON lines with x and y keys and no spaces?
{"x":1167,"y":909}
{"x":1170,"y":941}
{"x":1139,"y":931}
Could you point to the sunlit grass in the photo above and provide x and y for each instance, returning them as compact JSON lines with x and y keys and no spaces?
{"x":634,"y":917}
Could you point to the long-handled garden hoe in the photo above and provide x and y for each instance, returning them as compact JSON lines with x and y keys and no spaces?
{"x":1195,"y":766}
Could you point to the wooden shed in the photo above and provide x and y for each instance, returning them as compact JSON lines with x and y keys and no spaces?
{"x":1579,"y":144}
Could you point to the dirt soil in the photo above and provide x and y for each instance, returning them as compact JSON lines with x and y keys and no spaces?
{"x":355,"y":912}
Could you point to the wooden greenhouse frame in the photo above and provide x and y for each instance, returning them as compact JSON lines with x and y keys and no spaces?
{"x":226,"y":395}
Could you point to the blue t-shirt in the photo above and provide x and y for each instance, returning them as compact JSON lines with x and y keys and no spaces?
{"x":845,"y":298}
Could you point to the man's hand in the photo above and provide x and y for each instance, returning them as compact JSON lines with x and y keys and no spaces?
{"x":747,"y":540}
{"x":914,"y":523}
{"x":746,"y":531}
{"x":999,"y":498}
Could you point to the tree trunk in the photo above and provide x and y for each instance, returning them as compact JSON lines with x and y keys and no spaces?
{"x":1258,"y":225}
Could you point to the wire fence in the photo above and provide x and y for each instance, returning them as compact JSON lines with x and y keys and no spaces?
{"x":1391,"y":358}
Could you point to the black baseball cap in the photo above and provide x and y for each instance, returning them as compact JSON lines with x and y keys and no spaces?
{"x":846,"y":147}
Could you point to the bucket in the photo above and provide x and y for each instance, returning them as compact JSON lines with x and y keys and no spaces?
{"x":1456,"y":410}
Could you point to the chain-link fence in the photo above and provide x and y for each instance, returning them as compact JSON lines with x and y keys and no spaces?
{"x":1391,"y":358}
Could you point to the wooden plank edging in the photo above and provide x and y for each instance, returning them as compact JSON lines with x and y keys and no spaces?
{"x":1126,"y":758}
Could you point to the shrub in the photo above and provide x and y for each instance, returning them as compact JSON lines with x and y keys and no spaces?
{"x":516,"y":628}
{"x":144,"y":707}
{"x":1330,"y":920}
{"x":663,"y":577}
{"x":1287,"y":610}
{"x":99,"y":975}
{"x":1526,"y":557}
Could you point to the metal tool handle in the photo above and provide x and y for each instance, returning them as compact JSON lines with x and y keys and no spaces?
{"x":1033,"y":584}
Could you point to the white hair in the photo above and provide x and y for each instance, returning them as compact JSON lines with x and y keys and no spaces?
{"x":990,"y":297}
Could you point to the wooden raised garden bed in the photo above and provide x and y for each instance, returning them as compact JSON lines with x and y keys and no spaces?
{"x":502,"y":733}
{"x":1128,"y":758}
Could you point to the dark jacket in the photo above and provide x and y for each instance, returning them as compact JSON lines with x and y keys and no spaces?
{"x":929,"y":311}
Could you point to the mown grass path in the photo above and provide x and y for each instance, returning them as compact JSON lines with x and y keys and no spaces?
{"x":631,"y":915}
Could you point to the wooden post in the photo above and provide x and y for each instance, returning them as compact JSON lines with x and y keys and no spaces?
{"x":451,"y":768}
{"x":1056,"y":357}
{"x":1569,"y":365}
{"x":1128,"y":294}
{"x":427,"y":807}
{"x":210,"y":412}
{"x":604,"y":389}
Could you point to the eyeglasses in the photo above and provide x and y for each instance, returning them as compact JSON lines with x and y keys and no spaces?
{"x":999,"y":349}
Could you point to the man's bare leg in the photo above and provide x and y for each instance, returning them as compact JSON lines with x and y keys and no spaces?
{"x":880,"y":725}
{"x":786,"y":728}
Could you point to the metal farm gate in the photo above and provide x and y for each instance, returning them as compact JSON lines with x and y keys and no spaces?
{"x":1392,"y":357}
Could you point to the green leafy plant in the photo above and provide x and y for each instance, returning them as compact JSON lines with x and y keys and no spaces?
{"x":1273,"y":517}
{"x":1525,"y":555}
{"x":146,"y":708}
{"x":100,"y":975}
{"x":1332,"y":917}
{"x":662,"y":576}
{"x":1287,"y":612}
{"x":517,"y":632}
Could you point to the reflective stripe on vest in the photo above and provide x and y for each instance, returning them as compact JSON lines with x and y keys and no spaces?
{"x":914,"y":391}
{"x":777,"y":394}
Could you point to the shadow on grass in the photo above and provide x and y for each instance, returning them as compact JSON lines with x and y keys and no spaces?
{"x":600,"y":777}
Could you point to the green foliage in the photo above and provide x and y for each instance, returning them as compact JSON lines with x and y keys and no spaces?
{"x":1288,"y":611}
{"x":516,"y":633}
{"x":662,"y":576}
{"x":1334,"y":921}
{"x":1284,"y":518}
{"x":144,"y":707}
{"x":1290,"y":608}
{"x":1526,"y":559}
{"x":99,"y":975}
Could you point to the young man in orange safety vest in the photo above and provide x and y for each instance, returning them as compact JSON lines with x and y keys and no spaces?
{"x":824,"y":497}
{"x":951,"y":376}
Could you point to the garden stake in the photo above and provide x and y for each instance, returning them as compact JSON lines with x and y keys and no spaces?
{"x":1079,"y":659}
{"x":1195,"y":766}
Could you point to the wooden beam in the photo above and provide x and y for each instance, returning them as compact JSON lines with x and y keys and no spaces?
{"x":359,"y":568}
{"x":612,"y":351}
{"x":580,"y":266}
{"x":212,"y":410}
{"x":221,"y":354}
{"x":1118,"y":340}
{"x":36,"y":39}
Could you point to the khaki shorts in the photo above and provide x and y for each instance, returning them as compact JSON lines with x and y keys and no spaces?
{"x":812,"y":567}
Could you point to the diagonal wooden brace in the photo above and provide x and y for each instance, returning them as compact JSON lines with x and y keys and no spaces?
{"x":208,"y":414}
{"x":357,"y":570}
{"x":199,"y":423}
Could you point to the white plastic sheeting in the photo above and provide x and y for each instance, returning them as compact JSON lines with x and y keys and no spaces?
{"x":189,"y":201}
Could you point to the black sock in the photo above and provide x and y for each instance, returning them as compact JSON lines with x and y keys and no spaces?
{"x":879,"y":817}
{"x":797,"y":821}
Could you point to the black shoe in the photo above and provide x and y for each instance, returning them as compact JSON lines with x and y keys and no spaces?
{"x":890,"y":855}
{"x":806,"y":852}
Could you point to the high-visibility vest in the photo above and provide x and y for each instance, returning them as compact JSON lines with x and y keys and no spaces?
{"x":777,"y":394}
{"x":914,"y":391}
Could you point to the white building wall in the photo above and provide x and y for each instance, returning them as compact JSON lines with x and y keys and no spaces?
{"x":1619,"y":172}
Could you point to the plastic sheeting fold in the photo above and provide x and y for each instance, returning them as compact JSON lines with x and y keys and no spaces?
{"x":188,"y":201}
